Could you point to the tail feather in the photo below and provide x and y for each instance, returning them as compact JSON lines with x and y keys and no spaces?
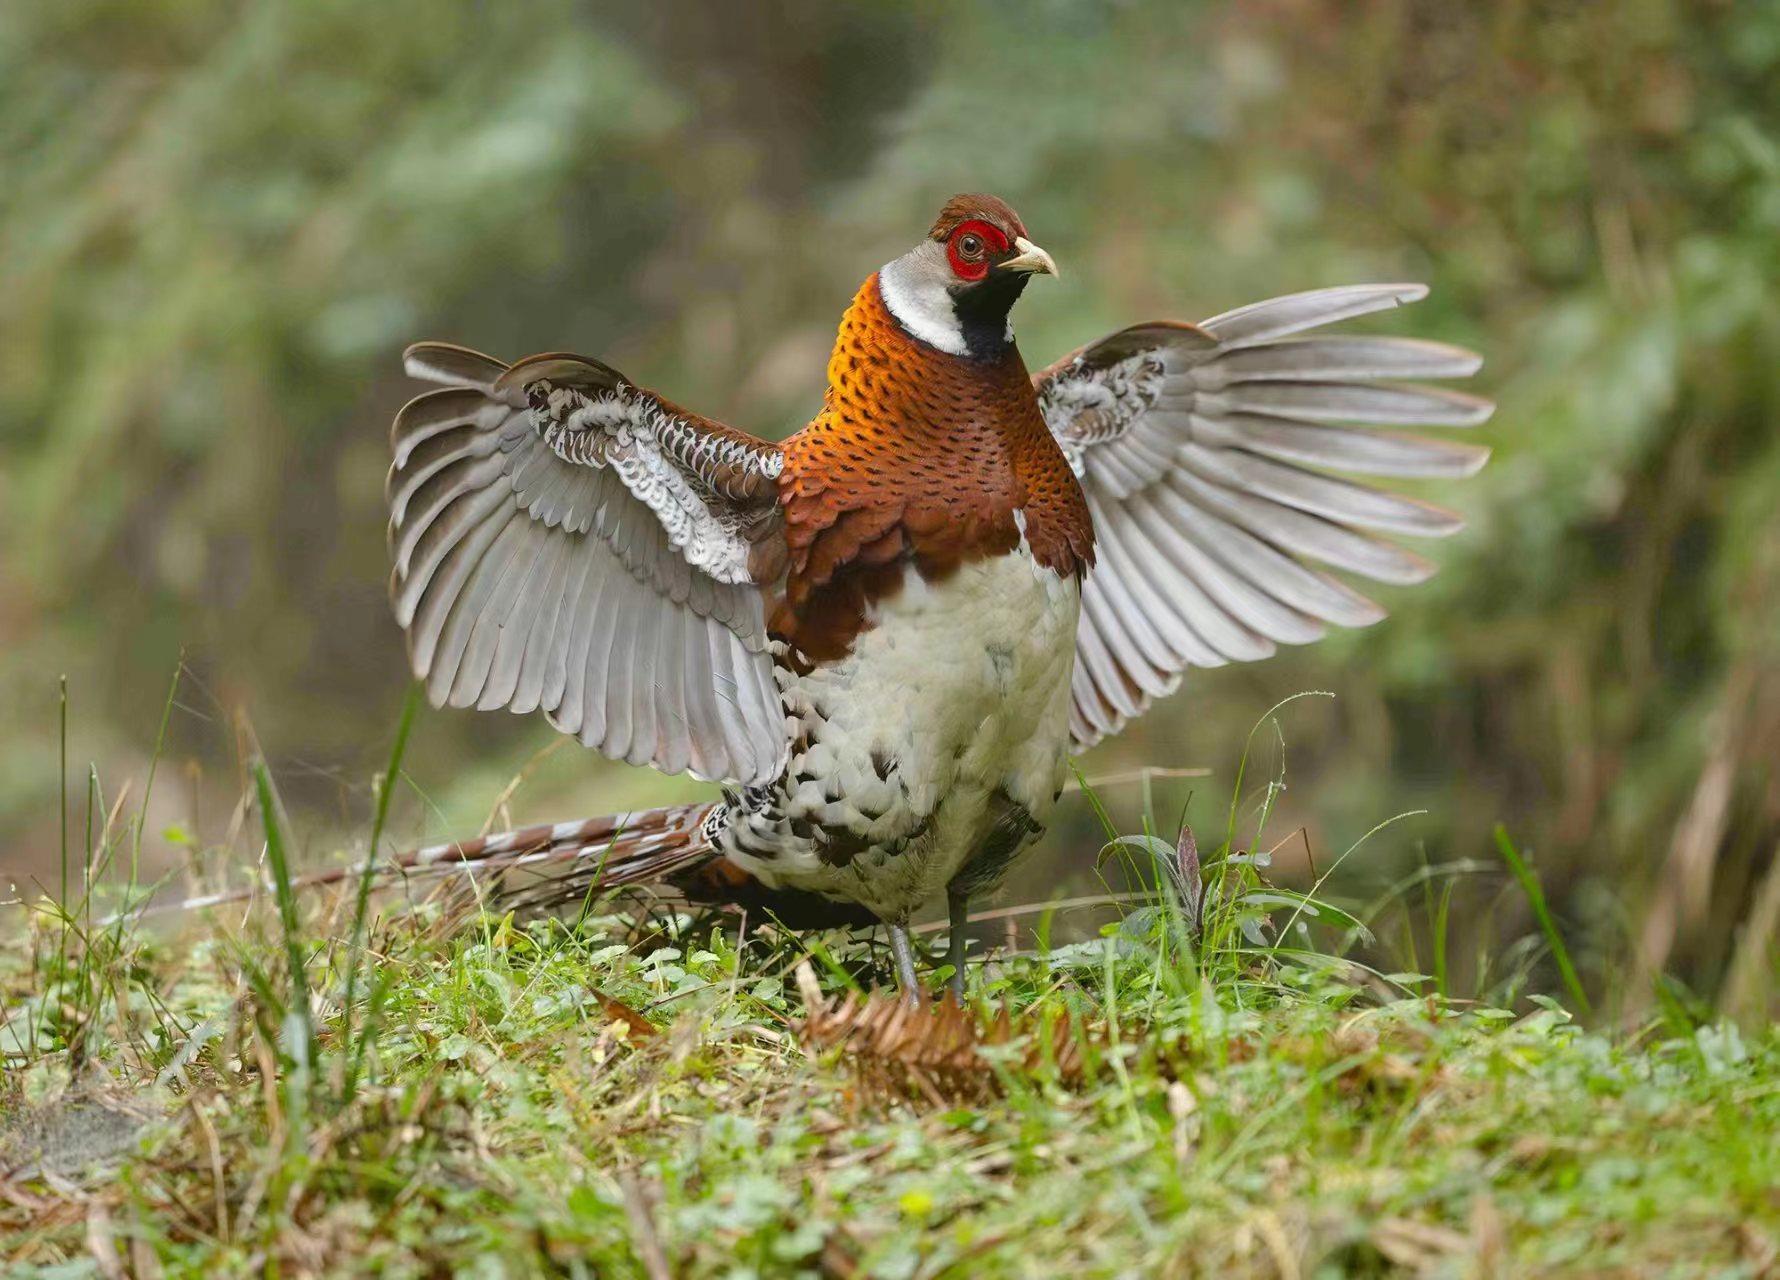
{"x":671,"y":847}
{"x":583,"y":859}
{"x":619,"y":849}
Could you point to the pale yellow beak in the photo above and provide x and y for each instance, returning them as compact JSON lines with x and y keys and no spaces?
{"x":1030,"y":258}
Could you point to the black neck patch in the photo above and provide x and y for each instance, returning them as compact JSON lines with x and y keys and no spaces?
{"x":982,"y":310}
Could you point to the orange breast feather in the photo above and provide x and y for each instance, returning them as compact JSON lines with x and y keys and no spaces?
{"x":918,"y":457}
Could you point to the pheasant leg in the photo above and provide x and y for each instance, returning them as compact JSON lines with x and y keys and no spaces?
{"x":904,"y":951}
{"x":958,"y":912}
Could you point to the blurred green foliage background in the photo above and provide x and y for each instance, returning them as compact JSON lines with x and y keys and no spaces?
{"x":220,"y":222}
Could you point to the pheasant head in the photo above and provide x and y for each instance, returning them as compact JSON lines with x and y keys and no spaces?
{"x":955,"y":289}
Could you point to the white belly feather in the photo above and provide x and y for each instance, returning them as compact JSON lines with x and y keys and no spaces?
{"x":958,"y":689}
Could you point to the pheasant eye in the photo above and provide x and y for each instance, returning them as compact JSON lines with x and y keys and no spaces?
{"x":969,"y":247}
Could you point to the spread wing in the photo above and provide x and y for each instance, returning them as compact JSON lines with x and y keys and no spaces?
{"x":568,"y":542}
{"x":1207,"y":451}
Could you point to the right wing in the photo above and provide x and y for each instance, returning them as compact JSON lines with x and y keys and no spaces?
{"x":569,"y":542}
{"x":1209,"y":455}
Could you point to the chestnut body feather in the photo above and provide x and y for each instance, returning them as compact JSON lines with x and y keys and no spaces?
{"x":918,"y":458}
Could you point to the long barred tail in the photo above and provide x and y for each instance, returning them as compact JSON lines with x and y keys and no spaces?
{"x":557,"y":865}
{"x":644,"y":847}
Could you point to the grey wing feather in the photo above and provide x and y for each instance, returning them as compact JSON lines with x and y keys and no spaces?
{"x":565,"y":541}
{"x":1209,"y":453}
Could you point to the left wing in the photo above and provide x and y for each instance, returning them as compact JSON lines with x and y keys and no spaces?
{"x":1205,"y":452}
{"x":566,"y":541}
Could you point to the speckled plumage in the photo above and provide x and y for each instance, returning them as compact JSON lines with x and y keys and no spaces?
{"x":936,"y":540}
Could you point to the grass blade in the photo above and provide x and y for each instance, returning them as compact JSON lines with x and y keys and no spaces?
{"x":154,"y":763}
{"x":1535,"y":892}
{"x":287,"y":908}
{"x":361,"y":907}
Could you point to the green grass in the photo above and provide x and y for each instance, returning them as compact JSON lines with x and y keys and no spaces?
{"x":317,"y":1089}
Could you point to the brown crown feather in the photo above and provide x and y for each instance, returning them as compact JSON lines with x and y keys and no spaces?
{"x":976,"y":204}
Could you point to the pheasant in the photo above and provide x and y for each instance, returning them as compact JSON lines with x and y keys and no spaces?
{"x":887,"y":633}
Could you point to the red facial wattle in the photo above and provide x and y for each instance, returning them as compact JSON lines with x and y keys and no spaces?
{"x":993,"y":240}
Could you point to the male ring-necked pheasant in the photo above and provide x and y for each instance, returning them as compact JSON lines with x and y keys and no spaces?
{"x":889,"y":631}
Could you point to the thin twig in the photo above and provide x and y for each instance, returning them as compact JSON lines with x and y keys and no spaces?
{"x":642,"y":1225}
{"x":1034,"y":908}
{"x":1124,"y":776}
